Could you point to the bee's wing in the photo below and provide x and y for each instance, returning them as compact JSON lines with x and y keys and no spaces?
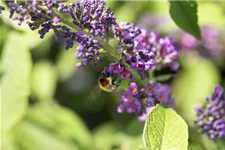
{"x":95,"y":93}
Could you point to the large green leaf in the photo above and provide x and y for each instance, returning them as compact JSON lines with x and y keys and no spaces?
{"x":33,"y":40}
{"x":66,"y":64}
{"x":8,"y":142}
{"x":125,"y":141}
{"x":104,"y":135}
{"x":111,"y":136}
{"x":184,"y":14}
{"x":44,"y":80}
{"x":15,"y":85}
{"x":36,"y":137}
{"x":165,"y":129}
{"x":61,"y":122}
{"x":4,"y":34}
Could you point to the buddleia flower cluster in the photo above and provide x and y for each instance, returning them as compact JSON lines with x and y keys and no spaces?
{"x":211,"y":117}
{"x":89,"y":21}
{"x":90,"y":16}
{"x":143,"y":51}
{"x":211,"y":45}
{"x":91,"y":24}
{"x":140,"y":99}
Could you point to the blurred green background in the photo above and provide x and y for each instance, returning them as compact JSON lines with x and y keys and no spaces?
{"x":49,"y":104}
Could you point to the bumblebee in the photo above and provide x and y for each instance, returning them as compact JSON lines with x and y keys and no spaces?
{"x":108,"y":82}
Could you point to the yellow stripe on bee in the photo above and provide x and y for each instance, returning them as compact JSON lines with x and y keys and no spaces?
{"x":104,"y":84}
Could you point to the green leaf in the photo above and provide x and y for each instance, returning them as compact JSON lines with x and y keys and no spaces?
{"x":184,"y":14}
{"x":104,"y":135}
{"x":8,"y":142}
{"x":110,"y":136}
{"x":129,"y":142}
{"x":15,"y":84}
{"x":33,"y":40}
{"x":44,"y":80}
{"x":66,"y":64}
{"x":61,"y":122}
{"x":4,"y":34}
{"x":165,"y":129}
{"x":36,"y":137}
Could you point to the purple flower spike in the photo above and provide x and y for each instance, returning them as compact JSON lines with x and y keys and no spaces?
{"x":143,"y":51}
{"x":91,"y":16}
{"x":138,"y":101}
{"x":91,"y":20}
{"x":211,"y":118}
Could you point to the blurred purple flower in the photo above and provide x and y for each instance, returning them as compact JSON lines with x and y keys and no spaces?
{"x":210,"y":46}
{"x":211,"y":117}
{"x":152,"y":22}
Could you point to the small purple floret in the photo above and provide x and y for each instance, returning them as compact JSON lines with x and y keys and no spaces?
{"x":139,"y":100}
